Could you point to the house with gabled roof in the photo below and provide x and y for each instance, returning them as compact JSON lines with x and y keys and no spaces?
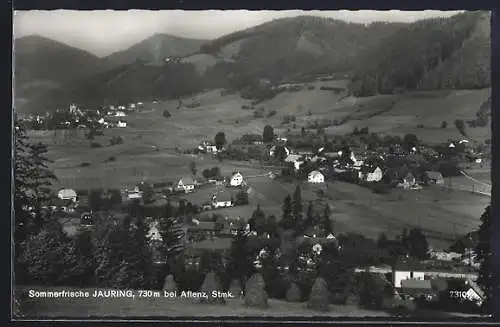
{"x":185,"y":184}
{"x":433,"y":177}
{"x":315,"y":177}
{"x":236,"y":179}
{"x":370,"y":174}
{"x":222,"y":200}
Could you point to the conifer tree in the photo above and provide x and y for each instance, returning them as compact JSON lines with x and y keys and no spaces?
{"x":286,"y":216}
{"x":297,"y":207}
{"x":484,"y":255}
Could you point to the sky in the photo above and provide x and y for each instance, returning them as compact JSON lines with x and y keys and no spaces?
{"x":103,"y":32}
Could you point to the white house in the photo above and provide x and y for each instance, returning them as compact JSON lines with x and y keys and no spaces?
{"x":67,"y":194}
{"x":186,"y":184}
{"x":222,"y":200}
{"x":315,"y":177}
{"x":296,"y":159}
{"x":120,"y":114}
{"x":121,"y":124}
{"x":236,"y":179}
{"x":400,"y":275}
{"x":134,"y":194}
{"x":154,"y":233}
{"x":373,"y":176}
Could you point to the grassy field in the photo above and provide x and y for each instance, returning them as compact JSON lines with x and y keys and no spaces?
{"x":442,"y":214}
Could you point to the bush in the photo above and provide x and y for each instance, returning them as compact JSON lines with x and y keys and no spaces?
{"x":169,"y":285}
{"x":115,"y":140}
{"x":235,"y":287}
{"x":110,"y":159}
{"x":85,"y":164}
{"x":255,"y":294}
{"x":311,"y":87}
{"x":319,"y":298}
{"x":293,"y":294}
{"x":50,"y":259}
{"x":210,"y":284}
{"x":271,"y":113}
{"x":95,"y":145}
{"x":420,"y":126}
{"x":166,"y":114}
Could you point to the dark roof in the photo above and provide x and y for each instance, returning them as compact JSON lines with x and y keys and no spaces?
{"x":187,"y":180}
{"x":217,"y":244}
{"x":433,"y":266}
{"x":416,"y":284}
{"x":203,"y":225}
{"x":434,"y":175}
{"x":223,"y":196}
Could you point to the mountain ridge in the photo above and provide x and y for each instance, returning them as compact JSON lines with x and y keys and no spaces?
{"x":380,"y":55}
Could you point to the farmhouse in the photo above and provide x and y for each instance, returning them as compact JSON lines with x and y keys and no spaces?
{"x":222,"y":200}
{"x":368,"y":174}
{"x":415,"y":288}
{"x":315,"y":177}
{"x":200,"y":231}
{"x":67,"y":194}
{"x":134,"y":194}
{"x":236,"y":179}
{"x":296,"y":159}
{"x":433,"y":177}
{"x":185,"y":184}
{"x":414,"y":270}
{"x":408,"y":180}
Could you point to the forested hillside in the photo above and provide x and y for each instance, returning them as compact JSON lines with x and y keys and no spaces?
{"x":447,"y":53}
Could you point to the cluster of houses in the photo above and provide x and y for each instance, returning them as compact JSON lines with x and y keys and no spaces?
{"x":74,"y":117}
{"x":366,"y":167}
{"x":413,"y":280}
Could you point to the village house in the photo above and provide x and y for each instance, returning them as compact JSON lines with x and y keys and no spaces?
{"x":296,"y":159}
{"x":433,"y":177}
{"x":369,"y":174}
{"x":120,"y":114}
{"x":315,"y":177}
{"x":200,"y":230}
{"x":185,"y":184}
{"x":121,"y":124}
{"x":416,"y":288}
{"x":408,"y":181}
{"x":207,"y":147}
{"x":67,"y":194}
{"x":222,"y":200}
{"x":415,"y":270}
{"x":272,"y":150}
{"x":134,"y":194}
{"x":236,"y":179}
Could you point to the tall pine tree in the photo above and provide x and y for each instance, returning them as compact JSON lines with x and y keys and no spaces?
{"x":484,"y":255}
{"x":286,"y":216}
{"x":259,"y":219}
{"x":297,"y":207}
{"x":32,"y":180}
{"x":327,"y":224}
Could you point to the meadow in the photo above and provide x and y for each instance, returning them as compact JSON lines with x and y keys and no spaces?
{"x":148,"y":153}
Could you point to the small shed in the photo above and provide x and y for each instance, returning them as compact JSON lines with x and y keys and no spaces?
{"x":67,"y":194}
{"x":433,"y":177}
